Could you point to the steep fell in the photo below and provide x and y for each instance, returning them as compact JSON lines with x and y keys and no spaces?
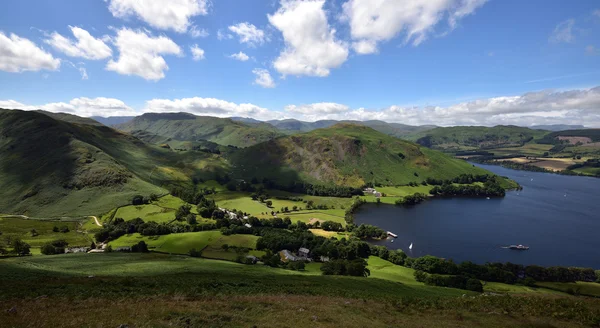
{"x":346,"y":155}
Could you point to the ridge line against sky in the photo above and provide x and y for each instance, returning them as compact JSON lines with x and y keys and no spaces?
{"x":579,"y":106}
{"x":447,"y":62}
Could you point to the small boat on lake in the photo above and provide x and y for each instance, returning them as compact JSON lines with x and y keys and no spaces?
{"x":410,"y":247}
{"x":391,"y":234}
{"x":519,"y":247}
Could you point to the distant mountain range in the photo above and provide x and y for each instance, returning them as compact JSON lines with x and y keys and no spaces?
{"x":557,"y":127}
{"x":112,"y":120}
{"x":459,"y":138}
{"x":188,"y":127}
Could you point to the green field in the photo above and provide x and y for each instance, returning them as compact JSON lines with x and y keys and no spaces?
{"x":181,"y":243}
{"x":240,"y":201}
{"x":578,"y":288}
{"x":148,"y":212}
{"x":18,"y":227}
{"x":383,"y":269}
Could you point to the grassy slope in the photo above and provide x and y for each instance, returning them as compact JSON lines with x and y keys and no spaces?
{"x":392,"y":129}
{"x":167,"y":291}
{"x":181,"y":243}
{"x":71,"y":118}
{"x":346,"y":154}
{"x":49,"y":167}
{"x":476,"y":137}
{"x":187,"y":127}
{"x":18,"y":227}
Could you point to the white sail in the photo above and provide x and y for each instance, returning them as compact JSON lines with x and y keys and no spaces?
{"x":410,"y":247}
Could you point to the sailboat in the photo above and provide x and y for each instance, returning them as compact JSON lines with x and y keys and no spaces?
{"x":410,"y":247}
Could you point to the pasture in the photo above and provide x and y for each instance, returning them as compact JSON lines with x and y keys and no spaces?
{"x":181,"y":243}
{"x":17,"y":227}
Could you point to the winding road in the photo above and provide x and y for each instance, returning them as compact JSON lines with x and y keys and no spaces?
{"x":97,"y":222}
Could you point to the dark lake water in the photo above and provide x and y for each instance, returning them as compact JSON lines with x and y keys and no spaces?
{"x":557,"y":216}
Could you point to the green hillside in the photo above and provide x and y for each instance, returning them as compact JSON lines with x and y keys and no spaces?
{"x":555,"y":137}
{"x":459,"y":138}
{"x":71,"y":118}
{"x":188,"y":127}
{"x":348,"y":155}
{"x":50,"y":167}
{"x":292,"y":126}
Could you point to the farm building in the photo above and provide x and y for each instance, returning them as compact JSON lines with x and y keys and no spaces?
{"x":287,"y":256}
{"x":123,"y":249}
{"x":303,"y":252}
{"x":77,"y":249}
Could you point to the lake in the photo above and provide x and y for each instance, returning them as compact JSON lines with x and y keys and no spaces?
{"x":557,"y":216}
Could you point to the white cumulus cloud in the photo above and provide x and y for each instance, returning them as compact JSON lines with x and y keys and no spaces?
{"x":579,"y":106}
{"x":196,"y":32}
{"x":311,"y":47}
{"x":197,"y":52}
{"x":161,"y":14}
{"x":248,"y":33}
{"x":263,"y":78}
{"x":375,"y":21}
{"x":141,"y":54}
{"x":239,"y":56}
{"x":317,"y":110}
{"x":209,"y":107}
{"x":82,"y":106}
{"x":86,"y":46}
{"x":20,"y":54}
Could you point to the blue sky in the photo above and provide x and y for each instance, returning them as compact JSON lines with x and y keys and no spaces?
{"x":447,"y":62}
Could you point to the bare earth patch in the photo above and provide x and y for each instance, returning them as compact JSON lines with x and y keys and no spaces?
{"x":315,"y":220}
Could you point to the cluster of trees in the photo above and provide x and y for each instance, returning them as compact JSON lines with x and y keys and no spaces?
{"x":63,"y":229}
{"x":275,"y":240}
{"x":367,"y":231}
{"x":332,"y":226}
{"x":341,"y":267}
{"x":19,"y":247}
{"x":460,"y":282}
{"x":588,"y":163}
{"x":461,"y":179}
{"x":141,"y":200}
{"x":489,"y":189}
{"x":119,"y":227}
{"x":54,"y":247}
{"x":274,"y":260}
{"x":508,"y":273}
{"x":349,"y":214}
{"x":397,"y":257}
{"x":413,"y":199}
{"x":286,"y":209}
{"x":290,"y":198}
{"x":313,"y":190}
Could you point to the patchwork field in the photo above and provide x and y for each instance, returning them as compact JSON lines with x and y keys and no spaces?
{"x":553,"y":164}
{"x":22,"y":228}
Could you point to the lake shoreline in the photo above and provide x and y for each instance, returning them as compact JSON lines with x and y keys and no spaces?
{"x":475,"y":229}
